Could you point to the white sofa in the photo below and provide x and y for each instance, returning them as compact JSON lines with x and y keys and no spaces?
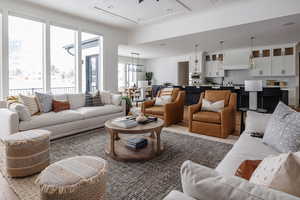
{"x":62,"y":123}
{"x":202,"y":183}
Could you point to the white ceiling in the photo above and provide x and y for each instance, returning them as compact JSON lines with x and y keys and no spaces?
{"x":267,"y":32}
{"x":128,"y":13}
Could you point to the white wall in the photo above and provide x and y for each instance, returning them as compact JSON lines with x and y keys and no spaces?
{"x":112,"y":36}
{"x":165,"y":69}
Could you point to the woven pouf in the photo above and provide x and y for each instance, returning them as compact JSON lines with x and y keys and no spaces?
{"x":27,"y":152}
{"x":76,"y":178}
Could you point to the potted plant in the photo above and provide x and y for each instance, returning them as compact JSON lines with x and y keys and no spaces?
{"x":149,"y":76}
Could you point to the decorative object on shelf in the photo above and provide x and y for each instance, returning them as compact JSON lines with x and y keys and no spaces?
{"x":253,"y":86}
{"x":251,"y":57}
{"x":148,"y":77}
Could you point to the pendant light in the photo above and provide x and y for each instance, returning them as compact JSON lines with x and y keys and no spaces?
{"x":221,"y":55}
{"x":251,"y":58}
{"x":196,"y":58}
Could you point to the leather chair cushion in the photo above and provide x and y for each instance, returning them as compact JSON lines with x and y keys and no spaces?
{"x":155,"y":110}
{"x":210,"y":117}
{"x":217,"y":95}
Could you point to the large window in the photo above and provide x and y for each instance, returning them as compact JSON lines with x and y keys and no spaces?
{"x":63,"y":60}
{"x":37,"y":56}
{"x":25,"y":56}
{"x":122,"y":76}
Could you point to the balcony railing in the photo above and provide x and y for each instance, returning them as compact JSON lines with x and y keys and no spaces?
{"x":31,"y":91}
{"x":56,"y":90}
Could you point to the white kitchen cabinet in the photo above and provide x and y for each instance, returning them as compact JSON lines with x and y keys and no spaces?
{"x":214,"y":69}
{"x":262,"y":66}
{"x":283,"y":65}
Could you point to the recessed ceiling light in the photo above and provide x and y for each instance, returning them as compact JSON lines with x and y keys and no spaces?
{"x":288,"y":24}
{"x":110,"y":7}
{"x":169,"y":10}
{"x":162,"y":44}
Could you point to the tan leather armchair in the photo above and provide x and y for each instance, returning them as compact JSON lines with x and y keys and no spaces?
{"x":218,"y":124}
{"x":172,"y":112}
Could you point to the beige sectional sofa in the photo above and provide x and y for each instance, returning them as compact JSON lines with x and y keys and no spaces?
{"x":63,"y":123}
{"x":202,"y":183}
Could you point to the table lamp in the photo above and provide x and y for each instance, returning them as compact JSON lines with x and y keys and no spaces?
{"x":253,"y":86}
{"x":143,"y":85}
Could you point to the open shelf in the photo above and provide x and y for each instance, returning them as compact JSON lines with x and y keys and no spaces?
{"x":289,"y":51}
{"x":207,"y":58}
{"x":266,"y":53}
{"x":277,"y":52}
{"x":255,"y":54}
{"x":214,"y":57}
{"x":220,"y":57}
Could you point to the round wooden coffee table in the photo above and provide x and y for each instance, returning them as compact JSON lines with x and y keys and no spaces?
{"x":117,"y":149}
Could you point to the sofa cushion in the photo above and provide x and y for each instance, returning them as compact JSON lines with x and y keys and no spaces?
{"x":76,"y":100}
{"x":89,"y":112}
{"x":44,"y":102}
{"x":155,"y":110}
{"x":280,"y":172}
{"x":30,"y":103}
{"x":256,"y":122}
{"x":283,"y":129}
{"x":210,"y":117}
{"x":22,"y":110}
{"x":246,"y":148}
{"x":106,"y":97}
{"x":50,"y":119}
{"x":217,"y":106}
{"x":204,"y":183}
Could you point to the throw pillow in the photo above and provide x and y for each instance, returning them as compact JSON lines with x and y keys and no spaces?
{"x":283,"y":129}
{"x":256,"y":122}
{"x":163,"y":100}
{"x":280,"y":173}
{"x":116,"y":99}
{"x":60,"y":105}
{"x":30,"y":103}
{"x":22,"y":110}
{"x":217,"y":106}
{"x":247,"y":168}
{"x":93,"y":99}
{"x":44,"y":102}
{"x":76,"y":100}
{"x":106,"y":97}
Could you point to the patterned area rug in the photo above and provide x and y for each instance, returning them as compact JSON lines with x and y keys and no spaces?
{"x":139,"y":181}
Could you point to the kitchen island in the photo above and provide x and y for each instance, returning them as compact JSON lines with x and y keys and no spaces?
{"x":267,"y":99}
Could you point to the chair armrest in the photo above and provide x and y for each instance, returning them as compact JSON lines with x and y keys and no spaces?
{"x":147,"y":104}
{"x":9,"y":122}
{"x":228,"y":120}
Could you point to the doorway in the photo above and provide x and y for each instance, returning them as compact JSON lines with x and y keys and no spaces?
{"x":92,"y":72}
{"x":183,"y":73}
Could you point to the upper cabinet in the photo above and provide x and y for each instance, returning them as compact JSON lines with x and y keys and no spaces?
{"x":236,"y":59}
{"x":214,"y":65}
{"x":283,"y":62}
{"x":262,"y":63}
